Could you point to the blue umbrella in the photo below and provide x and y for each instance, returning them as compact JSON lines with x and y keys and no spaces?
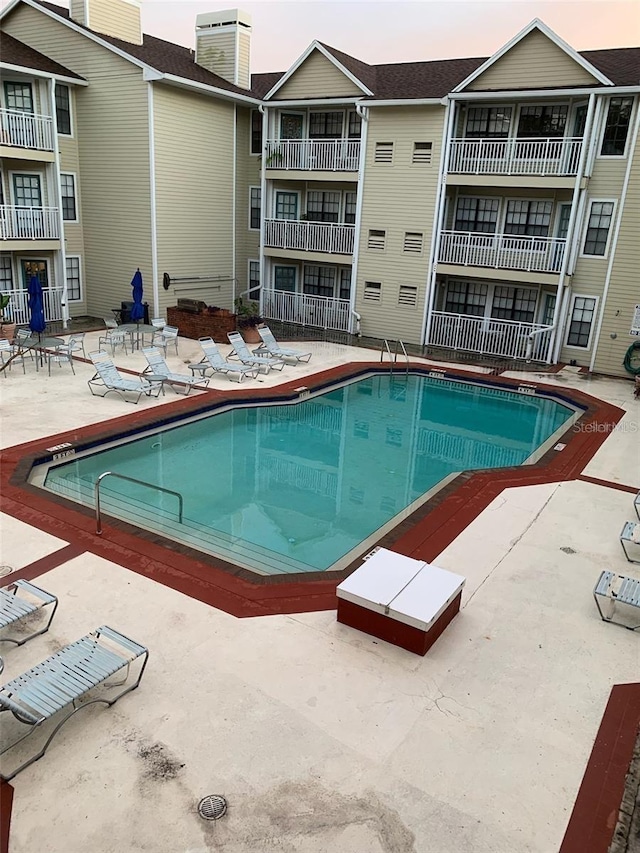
{"x":37,"y":322}
{"x":137,"y":309}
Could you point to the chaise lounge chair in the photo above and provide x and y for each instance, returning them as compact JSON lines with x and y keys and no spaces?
{"x":60,"y":684}
{"x":213,"y":360}
{"x":108,"y":378}
{"x":271,"y":346}
{"x":159,"y":367}
{"x":241,"y":351}
{"x":19,"y":601}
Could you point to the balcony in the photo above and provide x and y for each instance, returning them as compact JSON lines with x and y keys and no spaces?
{"x":482,"y":335}
{"x":321,"y":312}
{"x":26,"y":130}
{"x":551,"y":157}
{"x":330,"y":155}
{"x":501,"y":251}
{"x":18,"y":308}
{"x":29,"y":223}
{"x":309,"y":236}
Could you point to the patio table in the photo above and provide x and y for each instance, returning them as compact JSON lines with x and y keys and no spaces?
{"x":40,"y":345}
{"x":137,"y":332}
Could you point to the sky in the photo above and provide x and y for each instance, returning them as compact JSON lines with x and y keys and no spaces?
{"x":398,"y":31}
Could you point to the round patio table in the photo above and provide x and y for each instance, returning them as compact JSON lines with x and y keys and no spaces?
{"x":40,"y":345}
{"x":137,"y":332}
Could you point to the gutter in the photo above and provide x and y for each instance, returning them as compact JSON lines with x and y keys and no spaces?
{"x":151,"y":75}
{"x":59,"y":78}
{"x":518,"y":94}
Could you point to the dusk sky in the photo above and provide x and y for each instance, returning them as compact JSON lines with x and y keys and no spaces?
{"x":379,"y":32}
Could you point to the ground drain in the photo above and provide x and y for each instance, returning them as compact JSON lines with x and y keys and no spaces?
{"x":212,"y":807}
{"x":5,"y":570}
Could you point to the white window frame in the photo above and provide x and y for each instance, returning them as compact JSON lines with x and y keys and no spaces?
{"x":575,"y":296}
{"x":558,"y":102}
{"x":249,"y":288}
{"x":503,"y":209}
{"x":585,"y":228}
{"x":80,"y":278}
{"x":605,"y":113}
{"x":284,"y":191}
{"x":249,"y":225}
{"x":71,"y":113}
{"x":75,"y":198}
{"x":498,"y":106}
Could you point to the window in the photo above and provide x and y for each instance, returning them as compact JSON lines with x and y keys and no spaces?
{"x":598,"y":226}
{"x":413,"y":242}
{"x":68,"y":190}
{"x":26,"y":191}
{"x":18,"y":96}
{"x":350,"y":204}
{"x":354,"y":129}
{"x":6,"y":273}
{"x":63,"y":109}
{"x":408,"y":296}
{"x":514,"y":303}
{"x":325,"y":125}
{"x":254,"y":207}
{"x":466,"y":297}
{"x":323,"y":206}
{"x":617,"y":127}
{"x":284,"y":278}
{"x":286,"y":205}
{"x":384,"y":152}
{"x":291,"y":126}
{"x":531,"y":218}
{"x":345,"y":283}
{"x":564,"y":216}
{"x":477,"y":214}
{"x":254,"y":280}
{"x":372,"y":291}
{"x":256,"y":132}
{"x":74,"y":286}
{"x":34,"y":267}
{"x":319,"y":280}
{"x":488,"y":122}
{"x":421,"y":152}
{"x":377,"y":240}
{"x":541,"y":121}
{"x":581,"y":321}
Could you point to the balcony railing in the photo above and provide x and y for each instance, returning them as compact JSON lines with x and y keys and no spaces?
{"x":301,"y":309}
{"x":540,"y":157}
{"x":330,"y":155}
{"x":309,"y":236}
{"x":29,"y":223}
{"x":17,"y":310}
{"x":501,"y":251}
{"x":505,"y":338}
{"x":26,"y":130}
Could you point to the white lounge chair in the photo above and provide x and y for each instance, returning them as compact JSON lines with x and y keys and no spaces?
{"x":241,"y":351}
{"x":214,"y":361}
{"x":109,"y":379}
{"x":271,"y":346}
{"x":159,"y":367}
{"x":19,"y":601}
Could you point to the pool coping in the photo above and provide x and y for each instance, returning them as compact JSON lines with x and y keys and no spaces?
{"x":422,"y":535}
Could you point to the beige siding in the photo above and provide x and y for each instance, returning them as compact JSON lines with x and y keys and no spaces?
{"x":111,"y":116}
{"x":244,"y":59}
{"x":317,"y":77}
{"x":398,"y":198}
{"x":247,"y":175}
{"x":118,"y":18}
{"x":535,"y":62}
{"x":217,"y":53}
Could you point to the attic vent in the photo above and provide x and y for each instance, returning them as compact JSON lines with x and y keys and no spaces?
{"x":384,"y":152}
{"x":422,"y":152}
{"x":408,"y":295}
{"x":377,"y":240}
{"x":372,"y":291}
{"x":413,"y":242}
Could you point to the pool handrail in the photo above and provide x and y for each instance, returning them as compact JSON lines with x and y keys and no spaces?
{"x":131,"y":480}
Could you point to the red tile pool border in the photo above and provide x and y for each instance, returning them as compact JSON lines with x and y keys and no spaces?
{"x":239,"y":592}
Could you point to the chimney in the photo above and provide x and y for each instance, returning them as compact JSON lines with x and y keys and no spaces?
{"x":117,"y":18}
{"x":223,"y":45}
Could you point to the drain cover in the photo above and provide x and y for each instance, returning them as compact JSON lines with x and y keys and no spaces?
{"x":212,"y":807}
{"x":5,"y":570}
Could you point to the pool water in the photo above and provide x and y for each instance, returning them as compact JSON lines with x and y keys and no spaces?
{"x":298,"y":487}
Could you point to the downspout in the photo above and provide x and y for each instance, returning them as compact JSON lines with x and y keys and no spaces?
{"x":152,"y":200}
{"x":62,"y":254}
{"x":363,"y":112}
{"x":233,"y":206}
{"x":614,"y":241}
{"x":263,"y":192}
{"x":438,"y":216}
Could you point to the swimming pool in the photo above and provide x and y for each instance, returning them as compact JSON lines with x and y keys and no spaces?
{"x":306,"y":486}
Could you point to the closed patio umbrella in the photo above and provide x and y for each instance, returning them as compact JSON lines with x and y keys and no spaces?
{"x":37,"y":322}
{"x":137,"y":310}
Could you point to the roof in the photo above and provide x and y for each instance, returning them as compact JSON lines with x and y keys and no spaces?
{"x":14,"y":52}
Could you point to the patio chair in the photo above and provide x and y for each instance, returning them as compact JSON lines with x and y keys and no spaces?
{"x":60,"y":684}
{"x":108,"y":378}
{"x":76,"y":343}
{"x":8,"y":354}
{"x":159,"y":367}
{"x":114,"y":337}
{"x":60,"y":355}
{"x":241,"y":351}
{"x":165,"y":337}
{"x":18,"y":602}
{"x":272,"y":347}
{"x":214,"y":361}
{"x":158,"y":322}
{"x":21,"y":336}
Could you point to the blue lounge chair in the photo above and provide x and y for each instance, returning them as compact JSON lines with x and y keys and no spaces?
{"x":159,"y":367}
{"x":241,"y":351}
{"x":108,"y":378}
{"x":19,"y":601}
{"x":213,"y":360}
{"x":270,"y":346}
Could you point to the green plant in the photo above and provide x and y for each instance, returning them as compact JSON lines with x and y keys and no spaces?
{"x":274,"y":157}
{"x":247,"y":313}
{"x":5,"y":299}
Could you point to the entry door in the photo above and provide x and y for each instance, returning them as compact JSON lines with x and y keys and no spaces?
{"x":34,"y":267}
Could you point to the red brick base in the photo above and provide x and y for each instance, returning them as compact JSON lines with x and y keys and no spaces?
{"x":202,"y":325}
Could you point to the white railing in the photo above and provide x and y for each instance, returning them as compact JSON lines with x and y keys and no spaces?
{"x":17,"y":310}
{"x":550,"y":156}
{"x":320,"y":311}
{"x":29,"y":223}
{"x":483,"y":335}
{"x":309,"y":236}
{"x":501,"y":251}
{"x":331,"y":155}
{"x":26,"y":130}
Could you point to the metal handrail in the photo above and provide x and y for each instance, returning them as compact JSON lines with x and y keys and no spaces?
{"x":404,"y":352}
{"x":393,"y":359}
{"x":131,"y":480}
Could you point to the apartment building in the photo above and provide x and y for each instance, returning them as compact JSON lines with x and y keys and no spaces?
{"x":489,"y":205}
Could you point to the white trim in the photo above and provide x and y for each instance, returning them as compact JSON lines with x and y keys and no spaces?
{"x":363,"y":112}
{"x":249,"y":288}
{"x":539,"y":25}
{"x":541,"y":93}
{"x":11,"y":173}
{"x":405,"y":102}
{"x":87,"y":9}
{"x":249,"y":225}
{"x":80,"y":279}
{"x":75,"y":196}
{"x":600,"y":140}
{"x":315,"y":45}
{"x":62,"y":252}
{"x":263,"y":193}
{"x":158,"y":76}
{"x":251,"y":112}
{"x":34,"y":72}
{"x":585,"y":228}
{"x":234,"y":224}
{"x":152,"y":200}
{"x":276,"y":191}
{"x":237,"y":55}
{"x":70,"y":135}
{"x":572,"y":305}
{"x":299,"y":103}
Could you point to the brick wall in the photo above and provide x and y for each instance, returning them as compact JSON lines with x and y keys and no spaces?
{"x":202,"y":325}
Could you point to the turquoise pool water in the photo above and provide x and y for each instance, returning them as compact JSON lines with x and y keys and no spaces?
{"x":295,"y":488}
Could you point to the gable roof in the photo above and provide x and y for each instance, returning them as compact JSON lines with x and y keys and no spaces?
{"x":18,"y":54}
{"x":334,"y":57}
